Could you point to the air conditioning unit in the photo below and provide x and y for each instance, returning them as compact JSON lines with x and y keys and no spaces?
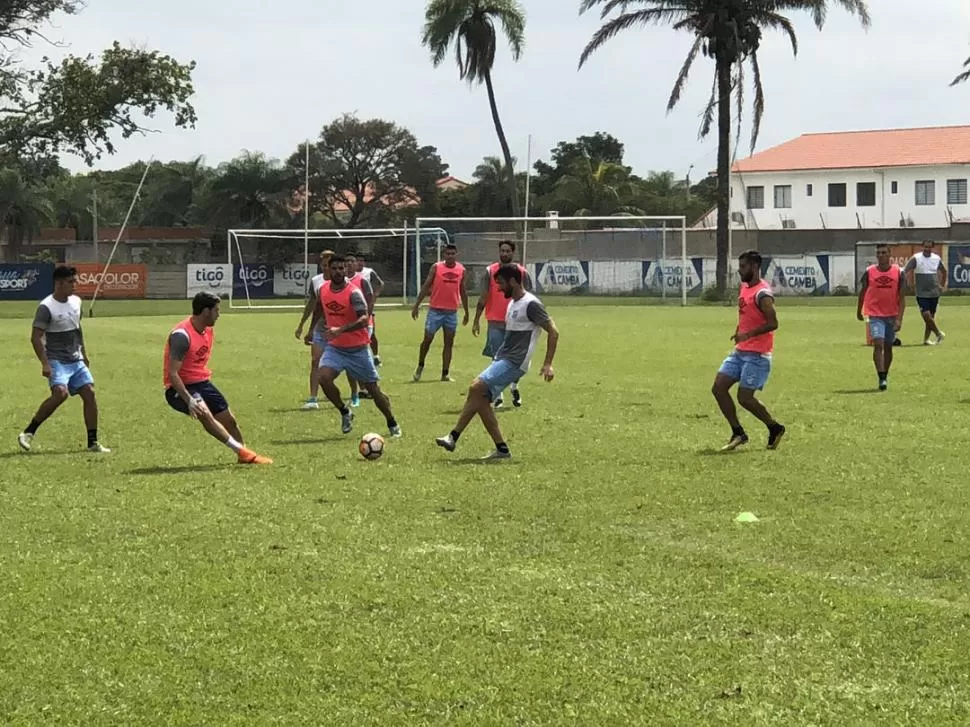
{"x":788,"y":225}
{"x":737,"y":218}
{"x":553,"y":219}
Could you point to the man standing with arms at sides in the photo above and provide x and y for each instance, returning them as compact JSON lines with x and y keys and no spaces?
{"x":883,"y":297}
{"x":926,"y":274}
{"x":445,"y":285}
{"x":346,"y":313}
{"x":494,"y":304}
{"x":749,"y":365}
{"x":59,"y":346}
{"x":525,"y":317}
{"x":377,"y":287}
{"x":315,"y":337}
{"x":187,"y":378}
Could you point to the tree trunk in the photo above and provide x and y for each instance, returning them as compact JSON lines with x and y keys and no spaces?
{"x":723,"y":171}
{"x":506,"y":153}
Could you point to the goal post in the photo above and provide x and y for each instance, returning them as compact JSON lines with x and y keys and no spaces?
{"x":271,"y":269}
{"x":605,"y":255}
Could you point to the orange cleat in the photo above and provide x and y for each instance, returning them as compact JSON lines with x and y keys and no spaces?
{"x":247,"y":456}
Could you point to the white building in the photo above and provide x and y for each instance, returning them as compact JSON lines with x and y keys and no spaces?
{"x":859,"y":179}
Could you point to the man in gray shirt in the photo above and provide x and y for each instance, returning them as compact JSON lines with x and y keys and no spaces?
{"x":59,"y":346}
{"x":926,"y":274}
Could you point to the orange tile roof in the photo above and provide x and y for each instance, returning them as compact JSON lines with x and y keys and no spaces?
{"x":864,"y":149}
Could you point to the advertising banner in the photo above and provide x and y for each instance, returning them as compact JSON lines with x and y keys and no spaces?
{"x":121,"y":281}
{"x":213,"y":278}
{"x":665,"y":276}
{"x":291,"y":280}
{"x":958,"y":269}
{"x":32,"y":281}
{"x":804,"y":275}
{"x":254,"y":280}
{"x":561,"y":277}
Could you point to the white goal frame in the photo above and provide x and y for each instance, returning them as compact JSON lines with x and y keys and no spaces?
{"x":403,"y":234}
{"x":427,"y":223}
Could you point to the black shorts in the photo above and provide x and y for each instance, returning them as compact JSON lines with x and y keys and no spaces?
{"x":205,"y":390}
{"x":927,"y":304}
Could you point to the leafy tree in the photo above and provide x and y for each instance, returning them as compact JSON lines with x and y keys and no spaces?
{"x":75,"y":106}
{"x":596,"y":189}
{"x":248,"y":191}
{"x":600,"y":147}
{"x":729,"y":32}
{"x":24,"y":209}
{"x":469,"y":26}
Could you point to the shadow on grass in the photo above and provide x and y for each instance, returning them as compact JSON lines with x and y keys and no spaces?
{"x":180,"y":470}
{"x":713,"y":452}
{"x":42,"y":453}
{"x":853,"y":392}
{"x":457,"y":412}
{"x":321,"y":440}
{"x":479,"y":461}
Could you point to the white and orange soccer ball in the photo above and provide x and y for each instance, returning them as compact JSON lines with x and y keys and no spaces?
{"x":371,"y":446}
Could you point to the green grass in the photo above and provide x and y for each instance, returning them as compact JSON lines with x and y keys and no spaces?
{"x":598,"y":579}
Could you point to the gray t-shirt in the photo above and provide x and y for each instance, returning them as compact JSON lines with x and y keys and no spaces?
{"x":61,"y":323}
{"x":523,"y":323}
{"x":927,"y":274}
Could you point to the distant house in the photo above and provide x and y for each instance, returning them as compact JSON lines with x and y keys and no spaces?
{"x":857,"y":179}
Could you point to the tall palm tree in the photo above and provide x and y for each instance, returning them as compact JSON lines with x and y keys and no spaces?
{"x":469,"y":26}
{"x":729,"y":32}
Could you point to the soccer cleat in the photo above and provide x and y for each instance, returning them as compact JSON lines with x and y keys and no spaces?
{"x":884,"y":384}
{"x":496,"y":455}
{"x":928,"y":342}
{"x":395,"y":431}
{"x":355,"y":399}
{"x":498,"y":403}
{"x":247,"y":456}
{"x":939,"y":338}
{"x":310,"y":404}
{"x":516,"y":398}
{"x":775,"y":436}
{"x":347,"y":422}
{"x":417,"y":373}
{"x":446,"y":378}
{"x":446,"y":442}
{"x":24,"y":440}
{"x":377,"y":360}
{"x":98,"y":448}
{"x":736,"y":441}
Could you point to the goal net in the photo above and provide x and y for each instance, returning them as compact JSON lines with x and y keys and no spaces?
{"x":272,"y":268}
{"x":616,"y":255}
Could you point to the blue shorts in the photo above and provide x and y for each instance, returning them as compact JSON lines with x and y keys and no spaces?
{"x":204,"y":390}
{"x":499,"y":376}
{"x":319,"y":339}
{"x":357,"y":362}
{"x":882,"y":328}
{"x":438,"y":319}
{"x":749,"y":369}
{"x":927,"y":304}
{"x":75,"y":376}
{"x":493,"y":339}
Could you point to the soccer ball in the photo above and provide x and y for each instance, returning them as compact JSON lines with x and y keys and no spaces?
{"x":371,"y":446}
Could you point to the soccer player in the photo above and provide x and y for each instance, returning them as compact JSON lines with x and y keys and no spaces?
{"x":525,"y":317}
{"x":314,"y":338}
{"x":355,"y":278}
{"x":377,"y":286}
{"x":59,"y":346}
{"x":493,"y":304}
{"x":445,"y":285}
{"x":187,"y":378}
{"x":926,"y":275}
{"x":883,"y":297}
{"x":749,"y":365}
{"x":346,"y":314}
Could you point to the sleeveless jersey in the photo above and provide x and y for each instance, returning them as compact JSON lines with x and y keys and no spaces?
{"x":882,"y":292}
{"x":446,"y":288}
{"x":498,"y":304}
{"x":195,"y":365}
{"x":339,"y":311}
{"x":751,"y":317}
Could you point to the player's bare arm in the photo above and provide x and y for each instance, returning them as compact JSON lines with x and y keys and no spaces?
{"x":37,"y":341}
{"x":195,"y":405}
{"x":766,"y":304}
{"x":902,"y":307}
{"x":464,"y":299}
{"x":377,"y":284}
{"x":361,"y":322}
{"x":423,"y":293}
{"x":482,"y":304}
{"x":862,"y":297}
{"x":311,"y":303}
{"x":552,"y":343}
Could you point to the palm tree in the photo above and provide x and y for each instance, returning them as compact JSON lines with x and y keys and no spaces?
{"x":24,"y":209}
{"x":728,"y":31}
{"x":595,"y":188}
{"x":469,"y":25}
{"x":964,"y":76}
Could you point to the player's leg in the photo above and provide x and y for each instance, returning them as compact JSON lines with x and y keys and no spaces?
{"x":481,"y":394}
{"x":374,"y":344}
{"x":882,"y":333}
{"x":214,"y":418}
{"x":331,"y":365}
{"x":927,"y":308}
{"x":448,"y":348}
{"x":431,"y":325}
{"x":318,"y":342}
{"x":493,"y":342}
{"x":755,"y":371}
{"x":361,"y":365}
{"x":727,"y":376}
{"x":58,"y":381}
{"x":83,"y":385}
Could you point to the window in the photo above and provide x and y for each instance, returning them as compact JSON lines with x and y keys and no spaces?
{"x":782,"y":196}
{"x":756,"y":198}
{"x":837,"y":195}
{"x":956,"y":191}
{"x":808,"y":190}
{"x":894,"y":188}
{"x":865,"y":194}
{"x":926,"y":193}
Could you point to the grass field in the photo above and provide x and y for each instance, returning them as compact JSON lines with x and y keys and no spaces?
{"x":598,"y":579}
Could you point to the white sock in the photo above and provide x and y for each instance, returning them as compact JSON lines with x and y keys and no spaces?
{"x":233,"y":444}
{"x":514,"y":386}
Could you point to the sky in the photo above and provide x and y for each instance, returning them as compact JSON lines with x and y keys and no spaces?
{"x":265,"y":82}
